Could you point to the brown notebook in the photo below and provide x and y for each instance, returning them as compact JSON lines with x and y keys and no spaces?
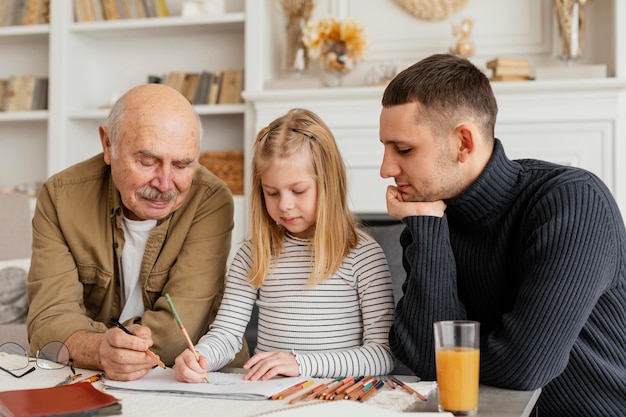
{"x":79,"y":399}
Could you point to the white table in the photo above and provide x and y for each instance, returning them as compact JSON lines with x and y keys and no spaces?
{"x":386,"y":402}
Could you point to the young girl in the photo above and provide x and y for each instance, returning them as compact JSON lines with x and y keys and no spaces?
{"x":322,"y":286}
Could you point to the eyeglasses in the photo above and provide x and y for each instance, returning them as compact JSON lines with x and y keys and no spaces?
{"x":52,"y":355}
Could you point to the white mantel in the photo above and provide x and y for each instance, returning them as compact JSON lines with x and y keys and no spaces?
{"x":575,"y":122}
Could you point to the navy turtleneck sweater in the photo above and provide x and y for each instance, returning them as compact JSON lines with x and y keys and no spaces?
{"x":536,"y":253}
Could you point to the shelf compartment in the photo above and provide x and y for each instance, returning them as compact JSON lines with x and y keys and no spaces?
{"x":24,"y":116}
{"x":203,"y":110}
{"x":160,"y":26}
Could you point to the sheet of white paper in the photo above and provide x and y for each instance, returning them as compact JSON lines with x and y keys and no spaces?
{"x":222,"y":385}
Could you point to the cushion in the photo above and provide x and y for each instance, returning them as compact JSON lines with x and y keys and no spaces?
{"x":13,"y":298}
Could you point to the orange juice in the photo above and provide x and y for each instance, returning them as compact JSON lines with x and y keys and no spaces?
{"x":457,"y":378}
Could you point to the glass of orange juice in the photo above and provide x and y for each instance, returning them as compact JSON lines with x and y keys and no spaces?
{"x":457,"y":355}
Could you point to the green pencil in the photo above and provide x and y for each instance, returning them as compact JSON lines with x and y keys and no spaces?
{"x":182,"y":328}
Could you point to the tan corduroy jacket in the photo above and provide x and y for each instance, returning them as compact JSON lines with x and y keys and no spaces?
{"x":74,"y":279}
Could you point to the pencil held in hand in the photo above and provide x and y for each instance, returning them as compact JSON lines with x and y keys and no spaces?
{"x":148,"y":351}
{"x":183,"y":330}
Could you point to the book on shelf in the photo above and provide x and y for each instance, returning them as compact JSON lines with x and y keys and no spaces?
{"x":215,"y":84}
{"x":139,"y":9}
{"x":510,"y":78}
{"x":190,"y":88}
{"x":124,"y":8}
{"x":24,"y":12}
{"x":231,"y":86}
{"x":40,"y":96}
{"x":176,"y":80}
{"x":202,"y":93}
{"x":111,"y":11}
{"x":507,"y":61}
{"x":155,"y":79}
{"x":24,"y":93}
{"x":4,"y":84}
{"x":78,"y":399}
{"x":98,"y":10}
{"x":161,"y":8}
{"x":12,"y":92}
{"x":520,"y":71}
{"x":151,"y":10}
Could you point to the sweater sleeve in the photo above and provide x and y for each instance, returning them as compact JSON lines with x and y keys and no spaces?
{"x":224,"y":338}
{"x":429,"y":293}
{"x":375,"y":292}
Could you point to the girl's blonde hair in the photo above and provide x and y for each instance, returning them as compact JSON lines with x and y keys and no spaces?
{"x":335,"y":229}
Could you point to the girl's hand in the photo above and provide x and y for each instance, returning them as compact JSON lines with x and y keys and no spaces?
{"x":266,"y":365}
{"x":188,"y":369}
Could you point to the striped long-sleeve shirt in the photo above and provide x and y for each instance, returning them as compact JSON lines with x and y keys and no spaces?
{"x":338,"y":327}
{"x":537,"y":253}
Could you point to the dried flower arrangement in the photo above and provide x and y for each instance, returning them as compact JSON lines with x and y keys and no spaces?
{"x":337,"y":43}
{"x":297,"y":13}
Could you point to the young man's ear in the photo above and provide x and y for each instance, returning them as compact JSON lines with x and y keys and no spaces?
{"x":466,"y":141}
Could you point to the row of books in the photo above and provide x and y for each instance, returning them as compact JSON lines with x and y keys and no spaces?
{"x":98,"y":10}
{"x":24,"y":12}
{"x":206,"y":87}
{"x":510,"y":69}
{"x":23,"y":93}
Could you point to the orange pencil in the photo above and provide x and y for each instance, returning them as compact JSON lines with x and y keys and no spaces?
{"x":93,"y":378}
{"x":338,"y":394}
{"x":327,"y":392}
{"x":288,"y":391}
{"x":313,"y":391}
{"x":408,"y":389}
{"x":356,"y":394}
{"x":372,"y":391}
{"x":358,"y":385}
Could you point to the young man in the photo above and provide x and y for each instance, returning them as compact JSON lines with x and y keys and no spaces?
{"x":534,"y":251}
{"x":113,"y":234}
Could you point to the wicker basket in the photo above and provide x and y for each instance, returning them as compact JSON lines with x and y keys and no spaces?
{"x":227,"y":165}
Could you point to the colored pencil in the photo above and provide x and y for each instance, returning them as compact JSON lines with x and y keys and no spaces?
{"x":183,"y":330}
{"x":313,"y":391}
{"x":331,"y":388}
{"x":294,"y":388}
{"x":372,"y":391}
{"x":408,"y":389}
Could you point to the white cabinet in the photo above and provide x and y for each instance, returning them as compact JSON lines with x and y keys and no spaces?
{"x":575,"y":122}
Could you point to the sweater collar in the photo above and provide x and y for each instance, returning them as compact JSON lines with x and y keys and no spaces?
{"x":494,"y":190}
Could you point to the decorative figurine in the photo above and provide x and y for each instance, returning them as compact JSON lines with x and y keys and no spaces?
{"x":464,"y":45}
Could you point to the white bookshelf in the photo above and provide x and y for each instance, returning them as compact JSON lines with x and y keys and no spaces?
{"x":89,"y":64}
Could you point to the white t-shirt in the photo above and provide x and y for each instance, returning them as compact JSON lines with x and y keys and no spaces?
{"x":136,"y":233}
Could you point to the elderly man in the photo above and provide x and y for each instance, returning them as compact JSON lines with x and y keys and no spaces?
{"x":113,"y":234}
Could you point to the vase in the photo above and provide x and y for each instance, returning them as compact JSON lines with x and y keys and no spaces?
{"x":570,"y":20}
{"x":336,"y":61}
{"x":296,"y":57}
